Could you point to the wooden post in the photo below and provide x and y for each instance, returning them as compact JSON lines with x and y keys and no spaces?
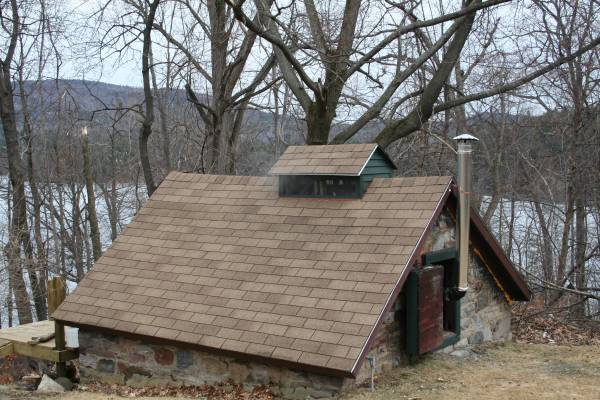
{"x":56,"y":295}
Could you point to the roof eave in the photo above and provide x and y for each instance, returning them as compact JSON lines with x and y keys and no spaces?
{"x":400,"y":283}
{"x":312,"y":174}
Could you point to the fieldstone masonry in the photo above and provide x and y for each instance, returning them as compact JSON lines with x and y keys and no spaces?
{"x":116,"y":359}
{"x":485,"y":313}
{"x":485,"y":316}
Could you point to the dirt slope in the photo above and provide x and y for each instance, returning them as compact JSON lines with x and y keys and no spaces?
{"x":511,"y":371}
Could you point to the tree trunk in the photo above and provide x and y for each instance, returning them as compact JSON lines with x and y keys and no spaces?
{"x":566,"y":234}
{"x":547,"y":253}
{"x":19,"y":227}
{"x":146,"y":129}
{"x":36,"y":264}
{"x":9,"y":306}
{"x":91,"y":196}
{"x":318,"y":123}
{"x":16,"y":284}
{"x":580,"y":251}
{"x":77,"y":237}
{"x":162,"y":113}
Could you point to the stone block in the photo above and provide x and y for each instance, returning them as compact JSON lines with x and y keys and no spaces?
{"x":487,"y":334}
{"x":131,"y":370}
{"x":136,"y":358}
{"x":238,"y":372}
{"x":88,"y":361}
{"x":163,"y":356}
{"x":502,"y":330}
{"x":214,"y":366}
{"x":261,"y":375}
{"x":88,"y":375}
{"x":476,"y":338}
{"x":105,"y":366}
{"x":185,"y":358}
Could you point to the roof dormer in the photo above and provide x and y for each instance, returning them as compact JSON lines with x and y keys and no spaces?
{"x":338,"y":171}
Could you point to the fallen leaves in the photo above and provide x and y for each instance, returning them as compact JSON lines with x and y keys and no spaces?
{"x":550,"y":330}
{"x":226,"y":391}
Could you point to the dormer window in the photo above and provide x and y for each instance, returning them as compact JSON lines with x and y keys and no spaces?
{"x":333,"y":171}
{"x":319,"y":186}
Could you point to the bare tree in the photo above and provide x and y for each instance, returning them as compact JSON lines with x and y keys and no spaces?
{"x":338,"y":45}
{"x":229,"y":81}
{"x":91,"y":195}
{"x":19,"y":230}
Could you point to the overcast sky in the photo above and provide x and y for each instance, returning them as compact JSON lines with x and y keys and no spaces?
{"x":111,"y":70}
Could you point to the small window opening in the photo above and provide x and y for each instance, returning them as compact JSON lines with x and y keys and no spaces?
{"x":319,"y":186}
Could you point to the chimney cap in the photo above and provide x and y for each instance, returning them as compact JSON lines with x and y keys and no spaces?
{"x":465,"y":137}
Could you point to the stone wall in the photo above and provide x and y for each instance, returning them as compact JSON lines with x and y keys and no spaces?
{"x":485,"y":313}
{"x":387,"y":349}
{"x":115,"y":359}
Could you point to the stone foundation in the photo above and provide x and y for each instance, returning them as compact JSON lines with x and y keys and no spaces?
{"x":115,"y":359}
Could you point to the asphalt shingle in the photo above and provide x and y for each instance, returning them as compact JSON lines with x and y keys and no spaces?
{"x":224,"y":262}
{"x":344,"y":159}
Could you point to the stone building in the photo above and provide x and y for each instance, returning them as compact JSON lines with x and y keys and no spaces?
{"x":304,"y":281}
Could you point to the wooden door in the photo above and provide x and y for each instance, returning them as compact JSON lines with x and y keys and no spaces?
{"x":431,"y":308}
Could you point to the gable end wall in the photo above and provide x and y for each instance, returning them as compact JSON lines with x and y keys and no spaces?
{"x":485,"y":314}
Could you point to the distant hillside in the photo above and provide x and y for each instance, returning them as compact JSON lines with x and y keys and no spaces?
{"x":83,"y":97}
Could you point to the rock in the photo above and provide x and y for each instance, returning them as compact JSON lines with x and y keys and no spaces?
{"x":461,"y":353}
{"x":239,"y":372}
{"x":163,"y":356}
{"x":136,"y":358}
{"x":65,"y":383}
{"x":106,"y":366}
{"x":47,"y":385}
{"x":185,"y":359}
{"x":131,"y":370}
{"x":31,"y":382}
{"x":476,"y":338}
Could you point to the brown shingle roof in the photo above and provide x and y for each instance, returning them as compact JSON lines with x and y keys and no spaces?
{"x":343,"y":159}
{"x":224,"y":262}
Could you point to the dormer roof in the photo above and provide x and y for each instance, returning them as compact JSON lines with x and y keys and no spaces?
{"x":343,"y":159}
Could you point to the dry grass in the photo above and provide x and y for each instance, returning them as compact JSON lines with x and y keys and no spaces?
{"x":511,"y":371}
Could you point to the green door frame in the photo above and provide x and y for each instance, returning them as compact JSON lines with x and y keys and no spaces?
{"x":444,"y":257}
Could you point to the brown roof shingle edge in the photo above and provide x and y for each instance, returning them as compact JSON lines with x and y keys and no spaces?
{"x":400,"y":283}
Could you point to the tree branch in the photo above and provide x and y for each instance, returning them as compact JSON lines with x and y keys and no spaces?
{"x":518,"y":82}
